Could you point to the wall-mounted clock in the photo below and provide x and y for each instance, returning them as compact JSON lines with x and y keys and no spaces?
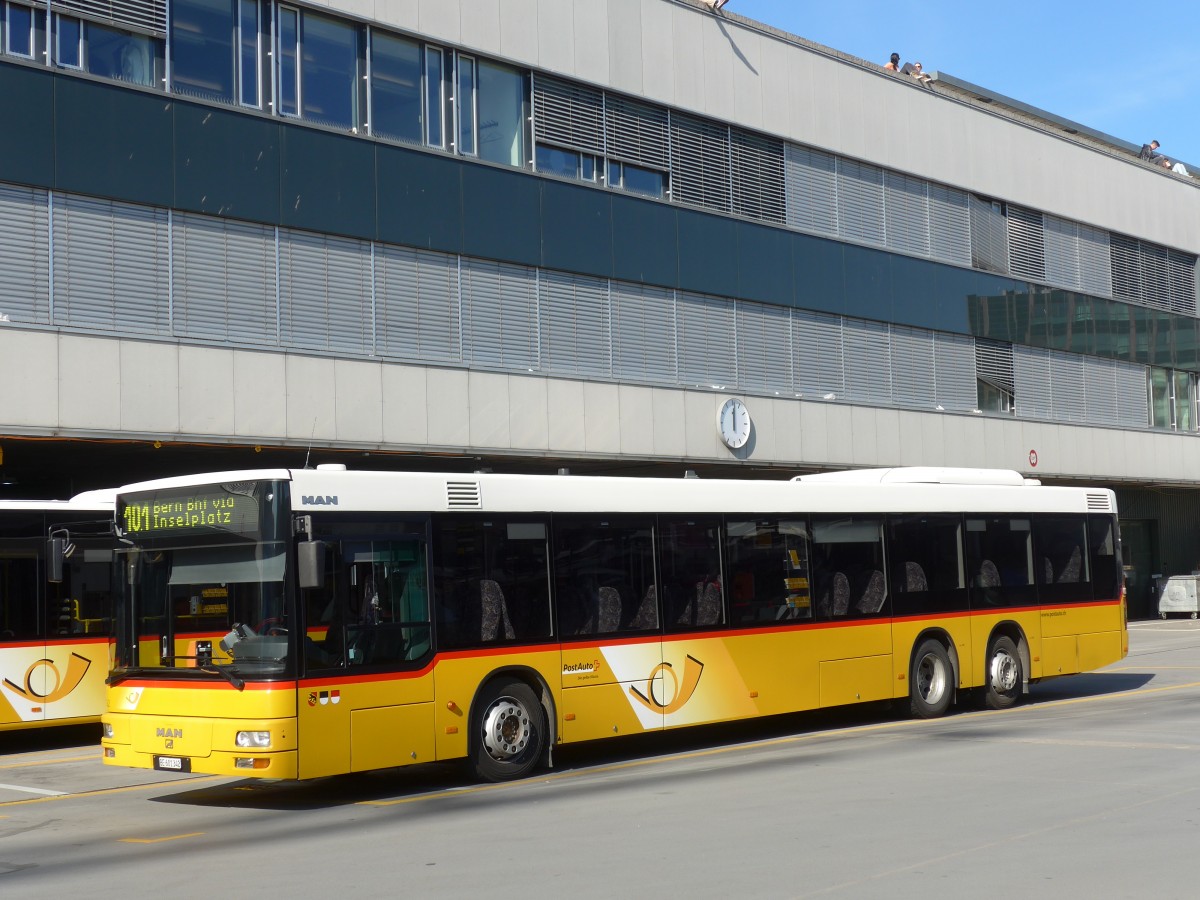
{"x":733,"y":423}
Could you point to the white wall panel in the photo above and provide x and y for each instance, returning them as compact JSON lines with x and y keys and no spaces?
{"x":591,"y":40}
{"x":658,"y":67}
{"x":29,"y":372}
{"x":565,"y":414}
{"x":602,"y":417}
{"x":480,"y":25}
{"x":489,"y":404}
{"x":440,"y":20}
{"x":624,"y":44}
{"x":149,"y":387}
{"x":311,"y":398}
{"x":404,"y":13}
{"x":742,"y":95}
{"x":527,"y":413}
{"x":447,"y":396}
{"x":358,"y":396}
{"x":690,"y":61}
{"x":89,"y":383}
{"x":260,"y":387}
{"x":668,"y":422}
{"x":206,"y":391}
{"x":556,"y":35}
{"x":405,"y":404}
{"x":518,"y":34}
{"x":636,"y":435}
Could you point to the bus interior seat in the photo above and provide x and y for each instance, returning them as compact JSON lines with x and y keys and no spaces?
{"x":708,"y":602}
{"x":493,"y":612}
{"x":873,"y":595}
{"x":989,"y":575}
{"x":914,"y":578}
{"x":841,"y":594}
{"x":1072,"y":568}
{"x":646,"y":616}
{"x":608,"y":609}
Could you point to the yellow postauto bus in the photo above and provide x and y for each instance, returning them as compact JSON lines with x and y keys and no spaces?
{"x":55,"y":626}
{"x":304,"y":623}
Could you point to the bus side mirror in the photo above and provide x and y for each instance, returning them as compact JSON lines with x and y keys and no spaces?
{"x":310,"y":563}
{"x":56,"y":556}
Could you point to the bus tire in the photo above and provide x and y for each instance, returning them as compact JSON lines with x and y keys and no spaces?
{"x":931,"y":680}
{"x":509,"y":730}
{"x":1002,"y":680}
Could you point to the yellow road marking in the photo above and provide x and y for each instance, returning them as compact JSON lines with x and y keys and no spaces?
{"x":50,"y":762}
{"x":108,"y":791}
{"x":174,"y":837}
{"x":776,"y":742}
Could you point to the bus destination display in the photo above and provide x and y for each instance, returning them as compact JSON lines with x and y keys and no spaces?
{"x":205,"y":510}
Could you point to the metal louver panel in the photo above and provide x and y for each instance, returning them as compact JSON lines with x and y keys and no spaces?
{"x":914,"y":381}
{"x":906,"y":205}
{"x":417,"y":312}
{"x":811,"y":180}
{"x":1182,"y":278}
{"x":989,"y":235}
{"x":1098,"y":503}
{"x":699,"y":162}
{"x":1061,"y":252}
{"x":1155,"y":276}
{"x":463,"y":495}
{"x":637,"y":133}
{"x":575,"y":325}
{"x":1095,"y":266}
{"x":954,"y":372}
{"x":1126,"y":268}
{"x":817,"y":343}
{"x":1026,"y":248}
{"x":223,"y":280}
{"x":110,"y":266}
{"x":867,"y":359}
{"x":758,"y":181}
{"x":24,"y":255}
{"x":1067,"y":384}
{"x":860,"y":201}
{"x":707,"y":340}
{"x":499,"y":311}
{"x":994,"y":364}
{"x":1133,"y":403}
{"x":145,"y":15}
{"x":1033,"y":396}
{"x":643,"y":328}
{"x":568,"y":115}
{"x":1100,"y":386}
{"x":764,"y":348}
{"x":325,"y":292}
{"x":949,"y":225}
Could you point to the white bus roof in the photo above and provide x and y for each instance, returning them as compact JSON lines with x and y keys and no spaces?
{"x":333,"y":489}
{"x":87,"y":501}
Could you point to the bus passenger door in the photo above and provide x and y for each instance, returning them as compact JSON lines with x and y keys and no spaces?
{"x":22,"y":645}
{"x":608,"y":617}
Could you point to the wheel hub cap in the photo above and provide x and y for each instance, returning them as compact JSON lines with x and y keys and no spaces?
{"x":506,"y":729}
{"x":1004,"y":672}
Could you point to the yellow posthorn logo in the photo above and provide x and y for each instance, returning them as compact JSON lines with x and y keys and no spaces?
{"x":680,"y":695}
{"x":77,"y":667}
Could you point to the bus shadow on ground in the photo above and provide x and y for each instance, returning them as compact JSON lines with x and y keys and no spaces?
{"x":415,"y":783}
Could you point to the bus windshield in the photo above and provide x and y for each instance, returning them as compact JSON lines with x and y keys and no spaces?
{"x":203,"y":590}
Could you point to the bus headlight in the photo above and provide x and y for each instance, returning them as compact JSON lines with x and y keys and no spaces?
{"x":253,"y":739}
{"x":107,"y":730}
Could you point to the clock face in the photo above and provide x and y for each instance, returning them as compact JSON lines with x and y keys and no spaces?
{"x":733,"y":423}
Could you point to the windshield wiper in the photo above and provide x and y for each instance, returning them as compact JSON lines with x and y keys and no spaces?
{"x":224,"y":672}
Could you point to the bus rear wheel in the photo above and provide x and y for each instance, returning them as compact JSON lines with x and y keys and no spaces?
{"x":931,"y":680}
{"x":1002,"y":682}
{"x":509,"y":730}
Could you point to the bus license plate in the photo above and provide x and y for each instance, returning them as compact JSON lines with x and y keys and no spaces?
{"x":172,"y":764}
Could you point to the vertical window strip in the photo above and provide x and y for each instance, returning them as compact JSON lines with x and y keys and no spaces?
{"x":989,"y":235}
{"x":1182,"y":276}
{"x":145,"y":15}
{"x":906,"y":207}
{"x":819,"y":368}
{"x":759,"y":189}
{"x":954,"y":372}
{"x":24,"y":254}
{"x":575,"y":324}
{"x":764,"y":348}
{"x":1095,"y":264}
{"x":860,"y":202}
{"x":1026,"y":244}
{"x":914,"y":375}
{"x":637,"y":133}
{"x":707,"y":330}
{"x":949,"y":225}
{"x":1033,"y":396}
{"x":644,"y":333}
{"x":699,"y":162}
{"x":868,"y":361}
{"x":568,"y":115}
{"x":811,"y":185}
{"x":1061,"y":252}
{"x":994,"y":364}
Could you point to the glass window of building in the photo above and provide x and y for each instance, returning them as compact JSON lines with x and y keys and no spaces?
{"x":1160,"y":398}
{"x":18,"y":30}
{"x":329,"y":83}
{"x":555,"y":161}
{"x":123,"y":55}
{"x":249,"y":57}
{"x":636,"y":179}
{"x":395,"y":88}
{"x":202,"y":48}
{"x":1184,"y":397}
{"x":501,"y":103}
{"x":464,"y":105}
{"x":68,"y":47}
{"x":289,"y":61}
{"x":434,"y":98}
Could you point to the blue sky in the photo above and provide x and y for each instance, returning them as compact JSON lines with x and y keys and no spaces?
{"x":1128,"y":69}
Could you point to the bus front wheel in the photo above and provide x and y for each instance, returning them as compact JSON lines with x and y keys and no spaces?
{"x":931,"y":681}
{"x":509,"y":730}
{"x":1002,"y":686}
